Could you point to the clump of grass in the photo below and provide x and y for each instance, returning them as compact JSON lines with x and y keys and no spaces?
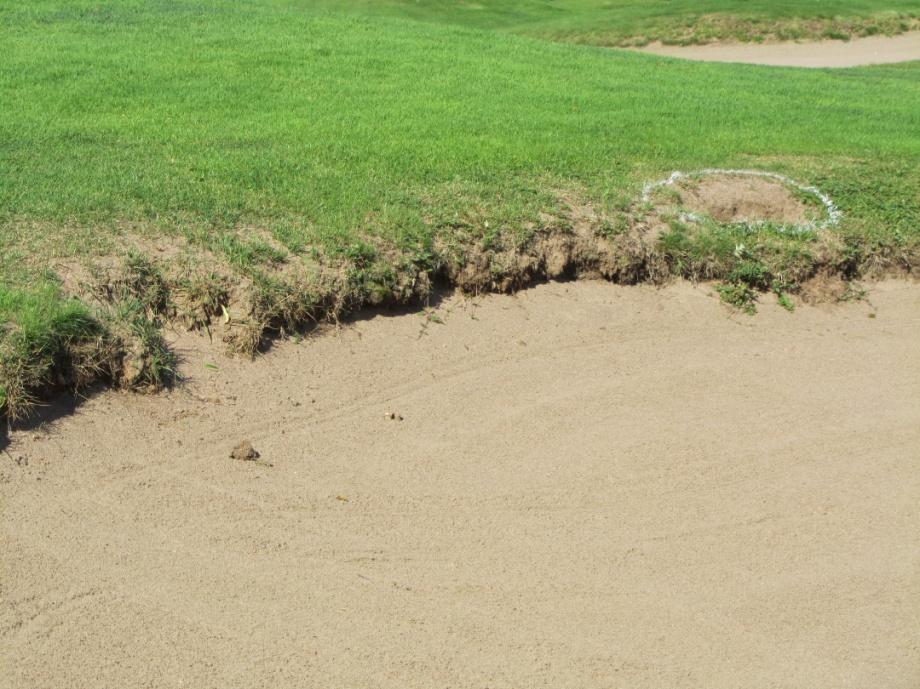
{"x":135,"y":279}
{"x":199,"y":298}
{"x":380,"y":275}
{"x":286,"y":305}
{"x":747,"y":263}
{"x":59,"y":343}
{"x":243,"y":253}
{"x":140,"y":357}
{"x":44,"y":347}
{"x":739,"y":295}
{"x":782,"y":298}
{"x":177,"y":290}
{"x":749,"y":278}
{"x":52,"y":341}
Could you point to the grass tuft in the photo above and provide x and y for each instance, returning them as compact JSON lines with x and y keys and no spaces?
{"x":50,"y":343}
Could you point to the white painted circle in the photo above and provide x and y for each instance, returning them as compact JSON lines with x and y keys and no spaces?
{"x":833,"y":213}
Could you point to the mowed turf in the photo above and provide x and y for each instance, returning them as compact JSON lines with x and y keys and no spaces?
{"x":327,"y":130}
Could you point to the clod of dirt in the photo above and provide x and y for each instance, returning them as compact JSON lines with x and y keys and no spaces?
{"x":740,"y":199}
{"x":244,"y":452}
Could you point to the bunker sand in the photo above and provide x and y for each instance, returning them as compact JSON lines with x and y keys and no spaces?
{"x":872,"y":50}
{"x":580,"y":486}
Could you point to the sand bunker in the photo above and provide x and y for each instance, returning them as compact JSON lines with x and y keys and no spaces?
{"x":859,"y":51}
{"x":591,"y":486}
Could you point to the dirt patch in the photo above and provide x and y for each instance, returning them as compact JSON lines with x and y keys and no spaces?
{"x":830,"y":288}
{"x":859,"y":51}
{"x":626,"y":258}
{"x":752,"y":198}
{"x":593,"y":486}
{"x":579,"y":242}
{"x":744,"y":199}
{"x":721,"y":28}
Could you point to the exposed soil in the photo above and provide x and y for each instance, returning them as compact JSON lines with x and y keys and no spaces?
{"x":871,"y":50}
{"x":735,"y":198}
{"x":590,"y":486}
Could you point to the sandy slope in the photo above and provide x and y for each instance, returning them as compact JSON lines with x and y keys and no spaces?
{"x":859,"y":51}
{"x":592,"y":486}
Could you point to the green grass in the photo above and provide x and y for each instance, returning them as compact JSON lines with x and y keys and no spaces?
{"x":327,"y":159}
{"x":51,"y":340}
{"x":45,"y":327}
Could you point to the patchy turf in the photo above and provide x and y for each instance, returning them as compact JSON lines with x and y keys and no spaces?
{"x":638,"y":22}
{"x":250,"y":169}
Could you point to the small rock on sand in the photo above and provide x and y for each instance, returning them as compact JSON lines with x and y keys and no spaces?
{"x":245,"y":452}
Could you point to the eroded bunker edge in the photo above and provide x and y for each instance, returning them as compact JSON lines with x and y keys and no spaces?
{"x":125,"y":301}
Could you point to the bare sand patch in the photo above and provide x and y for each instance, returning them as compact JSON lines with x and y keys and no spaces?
{"x":871,"y":50}
{"x":583,"y":485}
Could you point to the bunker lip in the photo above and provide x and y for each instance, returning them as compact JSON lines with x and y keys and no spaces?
{"x":132,"y":302}
{"x":871,"y":50}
